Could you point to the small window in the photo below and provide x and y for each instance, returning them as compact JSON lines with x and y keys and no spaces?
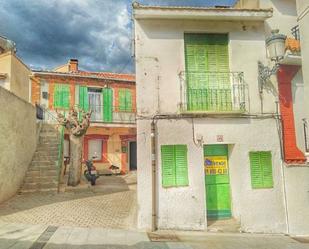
{"x":95,"y":149}
{"x":261,"y":169}
{"x":45,"y":95}
{"x":174,"y":165}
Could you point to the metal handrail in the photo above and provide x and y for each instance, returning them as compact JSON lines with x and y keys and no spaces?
{"x":295,"y":32}
{"x":60,"y":160}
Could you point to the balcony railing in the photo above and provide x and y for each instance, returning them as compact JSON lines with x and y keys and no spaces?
{"x":295,"y":32}
{"x":115,"y":114}
{"x":214,"y":92}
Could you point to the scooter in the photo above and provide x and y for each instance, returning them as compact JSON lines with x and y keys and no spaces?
{"x":91,"y":173}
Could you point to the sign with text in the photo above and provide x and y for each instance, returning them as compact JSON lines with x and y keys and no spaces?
{"x":215,"y":165}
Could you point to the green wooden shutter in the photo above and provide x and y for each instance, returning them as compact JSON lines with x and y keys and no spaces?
{"x":266,"y":165}
{"x":181,"y":162}
{"x":256,"y":170}
{"x":83,"y":98}
{"x":62,"y":96}
{"x":66,"y":96}
{"x":107,"y":104}
{"x":168,"y":165}
{"x":128,"y":100}
{"x":206,"y":56}
{"x":261,"y":169}
{"x":57,"y":96}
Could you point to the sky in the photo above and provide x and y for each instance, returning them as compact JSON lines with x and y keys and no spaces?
{"x":96,"y":32}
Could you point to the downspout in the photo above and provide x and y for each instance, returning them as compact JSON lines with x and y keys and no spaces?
{"x":154,"y":175}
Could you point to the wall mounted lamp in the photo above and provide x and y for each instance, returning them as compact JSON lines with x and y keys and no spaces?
{"x":275,"y":47}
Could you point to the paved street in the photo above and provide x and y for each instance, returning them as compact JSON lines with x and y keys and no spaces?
{"x":110,"y":204}
{"x":20,"y":236}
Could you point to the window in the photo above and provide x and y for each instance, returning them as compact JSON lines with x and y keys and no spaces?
{"x":174,"y":165}
{"x":207,"y":72}
{"x":62,"y":96}
{"x":95,"y":149}
{"x":261,"y":169}
{"x":125,"y":100}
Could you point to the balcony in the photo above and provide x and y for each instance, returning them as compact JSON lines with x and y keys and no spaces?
{"x":100,"y":115}
{"x":213,"y":92}
{"x":292,"y":48}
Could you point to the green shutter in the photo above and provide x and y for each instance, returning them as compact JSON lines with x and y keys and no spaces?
{"x":122,"y":100}
{"x":256,"y":170}
{"x":181,"y":162}
{"x":168,"y":165}
{"x":107,"y":104}
{"x":83,"y":98}
{"x":57,"y":96}
{"x":261,"y":169}
{"x":206,"y":55}
{"x":128,"y":100}
{"x":266,"y":162}
{"x":62,"y":96}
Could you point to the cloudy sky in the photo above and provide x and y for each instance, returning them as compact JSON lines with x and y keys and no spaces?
{"x":96,"y":32}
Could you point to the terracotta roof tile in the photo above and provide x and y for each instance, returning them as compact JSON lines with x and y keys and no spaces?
{"x":293,"y":45}
{"x":130,"y":77}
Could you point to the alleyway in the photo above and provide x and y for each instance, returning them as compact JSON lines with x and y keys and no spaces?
{"x":110,"y":204}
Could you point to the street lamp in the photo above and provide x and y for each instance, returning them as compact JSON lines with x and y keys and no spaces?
{"x":275,"y":46}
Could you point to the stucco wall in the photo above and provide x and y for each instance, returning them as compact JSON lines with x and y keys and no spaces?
{"x":159,"y":60}
{"x":18,"y":140}
{"x":18,"y":73}
{"x":20,"y":78}
{"x":5,"y":67}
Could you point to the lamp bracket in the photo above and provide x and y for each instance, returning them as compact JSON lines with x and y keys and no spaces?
{"x":265,"y":73}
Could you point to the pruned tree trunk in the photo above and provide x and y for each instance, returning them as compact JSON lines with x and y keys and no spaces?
{"x":76,"y":150}
{"x":77,"y":128}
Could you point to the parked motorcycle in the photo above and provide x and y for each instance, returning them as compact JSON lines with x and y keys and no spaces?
{"x":91,"y":173}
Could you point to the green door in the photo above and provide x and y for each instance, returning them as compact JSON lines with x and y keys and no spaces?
{"x":218,"y":198}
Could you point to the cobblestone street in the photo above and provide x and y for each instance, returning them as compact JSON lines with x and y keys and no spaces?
{"x":110,"y":204}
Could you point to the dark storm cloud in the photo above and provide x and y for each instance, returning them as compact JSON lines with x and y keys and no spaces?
{"x":97,"y":32}
{"x":48,"y":32}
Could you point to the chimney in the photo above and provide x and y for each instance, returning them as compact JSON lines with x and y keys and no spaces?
{"x":73,"y":65}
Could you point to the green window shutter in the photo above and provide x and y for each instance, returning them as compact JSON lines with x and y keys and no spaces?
{"x":122,"y":100}
{"x":168,"y":165}
{"x":266,"y":163}
{"x":57,"y":96}
{"x":62,"y":96}
{"x":107,"y":104}
{"x":256,"y":170}
{"x":83,"y":98}
{"x":66,"y":96}
{"x":205,"y":56}
{"x":128,"y":100}
{"x":181,"y":162}
{"x":261,"y":169}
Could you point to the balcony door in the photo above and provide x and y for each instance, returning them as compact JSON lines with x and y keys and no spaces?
{"x":95,"y":103}
{"x":207,"y":72}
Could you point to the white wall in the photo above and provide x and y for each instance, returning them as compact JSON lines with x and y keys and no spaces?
{"x":18,"y":140}
{"x":159,"y":60}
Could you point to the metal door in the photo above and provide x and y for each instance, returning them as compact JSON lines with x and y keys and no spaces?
{"x":218,"y":198}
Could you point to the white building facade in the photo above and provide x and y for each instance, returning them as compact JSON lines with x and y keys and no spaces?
{"x":208,"y":135}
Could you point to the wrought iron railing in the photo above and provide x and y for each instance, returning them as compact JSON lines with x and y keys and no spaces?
{"x":295,"y":32}
{"x":213,"y":92}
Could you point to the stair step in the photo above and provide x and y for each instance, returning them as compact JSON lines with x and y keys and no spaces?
{"x":42,"y":173}
{"x":39,"y":186}
{"x":28,"y":191}
{"x":43,"y":164}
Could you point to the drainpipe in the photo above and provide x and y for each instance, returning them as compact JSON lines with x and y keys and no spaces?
{"x":154,"y":175}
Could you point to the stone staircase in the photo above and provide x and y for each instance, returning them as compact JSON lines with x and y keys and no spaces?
{"x":42,"y":173}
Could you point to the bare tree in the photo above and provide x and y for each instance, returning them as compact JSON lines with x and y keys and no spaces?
{"x":77,"y":128}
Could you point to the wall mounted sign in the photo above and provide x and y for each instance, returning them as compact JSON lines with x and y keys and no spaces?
{"x":215,"y":165}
